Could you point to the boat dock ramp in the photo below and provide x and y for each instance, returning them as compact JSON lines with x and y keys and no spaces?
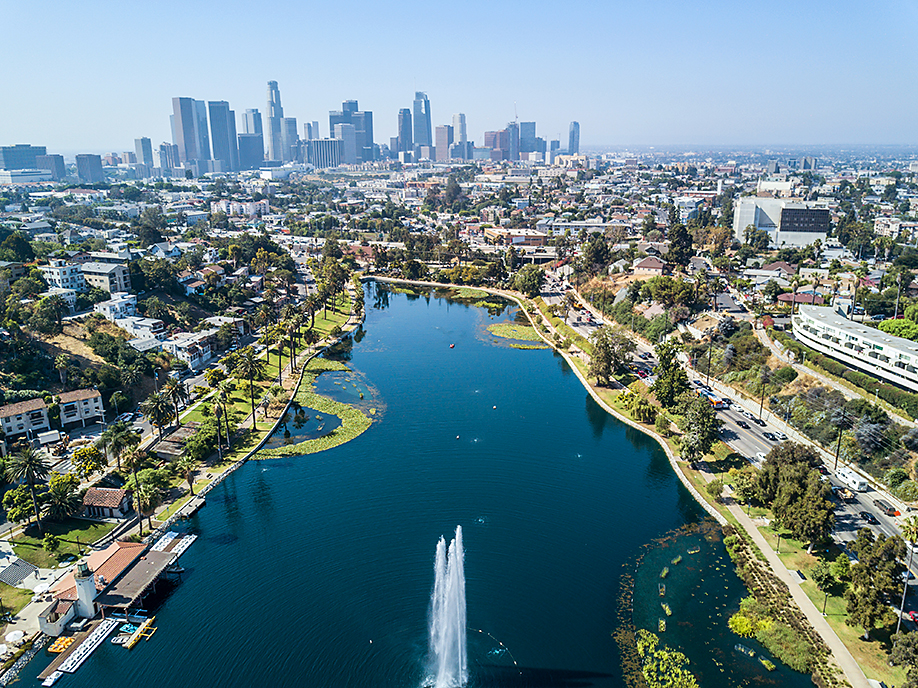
{"x":176,"y":543}
{"x":86,"y":642}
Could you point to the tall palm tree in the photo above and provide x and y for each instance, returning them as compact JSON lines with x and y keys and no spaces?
{"x":222,"y":409}
{"x":909,"y":528}
{"x":158,"y":409}
{"x":31,"y":465}
{"x":131,"y":376}
{"x":176,"y":393}
{"x":63,"y":499}
{"x":146,"y":498}
{"x":248,"y":367}
{"x":116,"y":438}
{"x":134,"y":459}
{"x":311,"y":305}
{"x":61,"y":363}
{"x":272,"y":337}
{"x":186,"y":466}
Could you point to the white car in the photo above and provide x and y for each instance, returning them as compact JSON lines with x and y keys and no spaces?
{"x":760,"y":457}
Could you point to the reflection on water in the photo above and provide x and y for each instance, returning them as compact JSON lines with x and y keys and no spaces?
{"x":308,"y":424}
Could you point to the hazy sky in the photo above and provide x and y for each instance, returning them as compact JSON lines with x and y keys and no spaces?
{"x":93,"y":75}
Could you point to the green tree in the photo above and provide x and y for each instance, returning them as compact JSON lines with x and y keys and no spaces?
{"x":87,"y":460}
{"x":528,"y":280}
{"x":701,"y":429}
{"x":841,"y":567}
{"x":50,"y":543}
{"x":61,"y":364}
{"x":905,"y":653}
{"x":17,"y":503}
{"x":62,"y":496}
{"x":29,"y":465}
{"x":715,"y":488}
{"x":875,"y":579}
{"x":784,"y":460}
{"x":680,"y":245}
{"x":158,"y":408}
{"x":909,"y":528}
{"x":176,"y":393}
{"x":611,"y":350}
{"x":744,"y":485}
{"x":249,"y":367}
{"x":671,"y":377}
{"x":803,"y":507}
{"x":116,"y":438}
{"x":822,"y":576}
{"x":186,"y":467}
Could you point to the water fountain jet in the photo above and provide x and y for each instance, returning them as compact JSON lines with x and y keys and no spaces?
{"x":447,"y":625}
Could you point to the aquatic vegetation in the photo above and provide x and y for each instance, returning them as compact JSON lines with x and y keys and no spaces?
{"x":768,"y":664}
{"x":665,"y":572}
{"x":514,"y":331}
{"x":666,"y":609}
{"x":662,"y":667}
{"x":661,"y":625}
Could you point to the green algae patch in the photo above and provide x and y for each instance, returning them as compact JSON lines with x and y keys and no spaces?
{"x":354,"y":422}
{"x":529,"y":347}
{"x":514,"y":331}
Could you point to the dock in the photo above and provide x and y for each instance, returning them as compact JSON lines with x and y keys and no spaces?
{"x":174,"y":543}
{"x":86,"y":643}
{"x":145,"y":631}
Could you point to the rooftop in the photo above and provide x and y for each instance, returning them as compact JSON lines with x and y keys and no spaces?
{"x":863,"y":332}
{"x":109,"y":497}
{"x":135,"y":579}
{"x":79,"y":394}
{"x":21,"y":407}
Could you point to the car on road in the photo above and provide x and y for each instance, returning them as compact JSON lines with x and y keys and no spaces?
{"x":644,"y":355}
{"x":125,"y":418}
{"x":822,"y":469}
{"x":760,"y":457}
{"x":769,"y":436}
{"x":781,"y":436}
{"x":743,"y":424}
{"x":758,"y":421}
{"x":747,"y":414}
{"x":869,"y":517}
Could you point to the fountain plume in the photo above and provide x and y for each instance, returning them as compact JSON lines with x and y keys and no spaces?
{"x":447,"y":624}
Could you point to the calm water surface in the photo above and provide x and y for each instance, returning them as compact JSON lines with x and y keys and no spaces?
{"x":317,"y":570}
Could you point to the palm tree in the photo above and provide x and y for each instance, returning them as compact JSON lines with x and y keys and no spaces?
{"x":131,"y":376}
{"x":311,"y":305}
{"x":249,"y":366}
{"x":31,"y":465}
{"x":147,"y":498}
{"x":176,"y":393}
{"x":222,"y":409}
{"x":186,"y":466}
{"x":134,"y":459}
{"x":158,"y":409}
{"x":909,"y":528}
{"x":63,"y":499}
{"x":272,"y":337}
{"x":61,"y":363}
{"x":117,"y":437}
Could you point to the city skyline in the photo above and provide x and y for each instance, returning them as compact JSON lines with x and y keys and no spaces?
{"x":718,"y":74}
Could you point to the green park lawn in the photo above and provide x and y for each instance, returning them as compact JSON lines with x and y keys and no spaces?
{"x":27,"y":545}
{"x":14,"y":599}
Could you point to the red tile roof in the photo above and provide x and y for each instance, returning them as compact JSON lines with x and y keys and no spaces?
{"x":110,"y":497}
{"x":108,"y":564}
{"x":21,"y":407}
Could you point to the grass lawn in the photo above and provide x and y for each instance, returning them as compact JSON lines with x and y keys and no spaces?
{"x":28,"y":547}
{"x":14,"y":599}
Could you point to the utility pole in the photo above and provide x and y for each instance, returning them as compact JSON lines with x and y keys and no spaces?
{"x":838,"y":444}
{"x":710,"y":347}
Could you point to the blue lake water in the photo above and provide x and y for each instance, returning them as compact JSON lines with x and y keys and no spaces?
{"x":317,"y":570}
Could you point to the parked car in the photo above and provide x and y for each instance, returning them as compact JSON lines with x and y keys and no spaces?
{"x":760,"y":457}
{"x":758,"y":421}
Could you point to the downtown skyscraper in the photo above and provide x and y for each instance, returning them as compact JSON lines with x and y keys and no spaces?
{"x":273,"y":125}
{"x":573,"y":141}
{"x":223,"y":135}
{"x":189,"y":129}
{"x":362,"y":121}
{"x":423,"y":133}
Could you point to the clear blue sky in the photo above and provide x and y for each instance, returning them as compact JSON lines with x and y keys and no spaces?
{"x":94,"y":75}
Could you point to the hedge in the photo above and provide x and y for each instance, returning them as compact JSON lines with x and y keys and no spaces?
{"x":905,"y":401}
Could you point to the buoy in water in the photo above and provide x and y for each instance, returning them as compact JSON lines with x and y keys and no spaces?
{"x":452,"y":346}
{"x":493,"y":407}
{"x":457,"y":437}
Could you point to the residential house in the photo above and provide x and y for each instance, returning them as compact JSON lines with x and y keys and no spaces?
{"x":64,"y":275}
{"x":68,"y":295}
{"x":192,"y":347}
{"x":651,"y":265}
{"x":106,"y":502}
{"x":121,"y":305}
{"x":142,"y":328}
{"x":165,"y":250}
{"x":24,"y":418}
{"x":79,"y":406}
{"x":110,"y":277}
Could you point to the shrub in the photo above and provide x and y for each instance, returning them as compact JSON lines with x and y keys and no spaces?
{"x":895,"y":477}
{"x":784,"y":376}
{"x":661,"y":425}
{"x":907,"y":491}
{"x":787,"y":645}
{"x":715,"y":487}
{"x":741,"y":625}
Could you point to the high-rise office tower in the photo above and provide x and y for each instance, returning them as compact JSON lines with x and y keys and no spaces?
{"x":311,"y":130}
{"x":460,"y":132}
{"x":553,"y":149}
{"x":513,"y":132}
{"x":324,"y":153}
{"x":348,"y":134}
{"x":527,"y":137}
{"x":422,"y":128}
{"x":89,"y":168}
{"x":273,"y":136}
{"x":129,"y":157}
{"x":251,"y":122}
{"x":144,"y":150}
{"x":362,"y":121}
{"x":444,"y":137}
{"x":405,"y":140}
{"x":189,"y":129}
{"x":52,"y":163}
{"x":168,"y":154}
{"x":223,"y":135}
{"x":20,"y":157}
{"x":573,"y":141}
{"x":290,"y":139}
{"x":251,"y":151}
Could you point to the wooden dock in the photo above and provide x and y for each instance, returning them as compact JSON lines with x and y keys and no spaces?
{"x":78,"y":637}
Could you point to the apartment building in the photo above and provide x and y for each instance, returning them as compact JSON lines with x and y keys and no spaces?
{"x":24,"y":418}
{"x":110,"y":277}
{"x":63,"y":275}
{"x":892,"y":359}
{"x":80,"y":406}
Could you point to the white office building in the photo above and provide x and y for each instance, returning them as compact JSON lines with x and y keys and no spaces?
{"x":788,"y":223}
{"x":892,"y":359}
{"x":121,"y":305}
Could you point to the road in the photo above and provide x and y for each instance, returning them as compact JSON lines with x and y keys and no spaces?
{"x":749,"y":442}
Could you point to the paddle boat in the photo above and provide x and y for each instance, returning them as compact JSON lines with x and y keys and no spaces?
{"x":665,"y":572}
{"x":666,"y":609}
{"x":676,"y":560}
{"x":744,"y":650}
{"x":662,"y":588}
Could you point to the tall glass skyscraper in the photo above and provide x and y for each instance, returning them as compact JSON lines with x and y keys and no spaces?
{"x":189,"y":129}
{"x":573,"y":141}
{"x":362,"y":121}
{"x":251,"y":122}
{"x":405,"y":140}
{"x":223,"y":135}
{"x":274,"y":135}
{"x":423,"y":134}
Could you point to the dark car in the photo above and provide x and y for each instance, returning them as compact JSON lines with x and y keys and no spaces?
{"x":869,"y":517}
{"x":759,"y":422}
{"x":769,"y":436}
{"x":822,"y":469}
{"x":743,"y":424}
